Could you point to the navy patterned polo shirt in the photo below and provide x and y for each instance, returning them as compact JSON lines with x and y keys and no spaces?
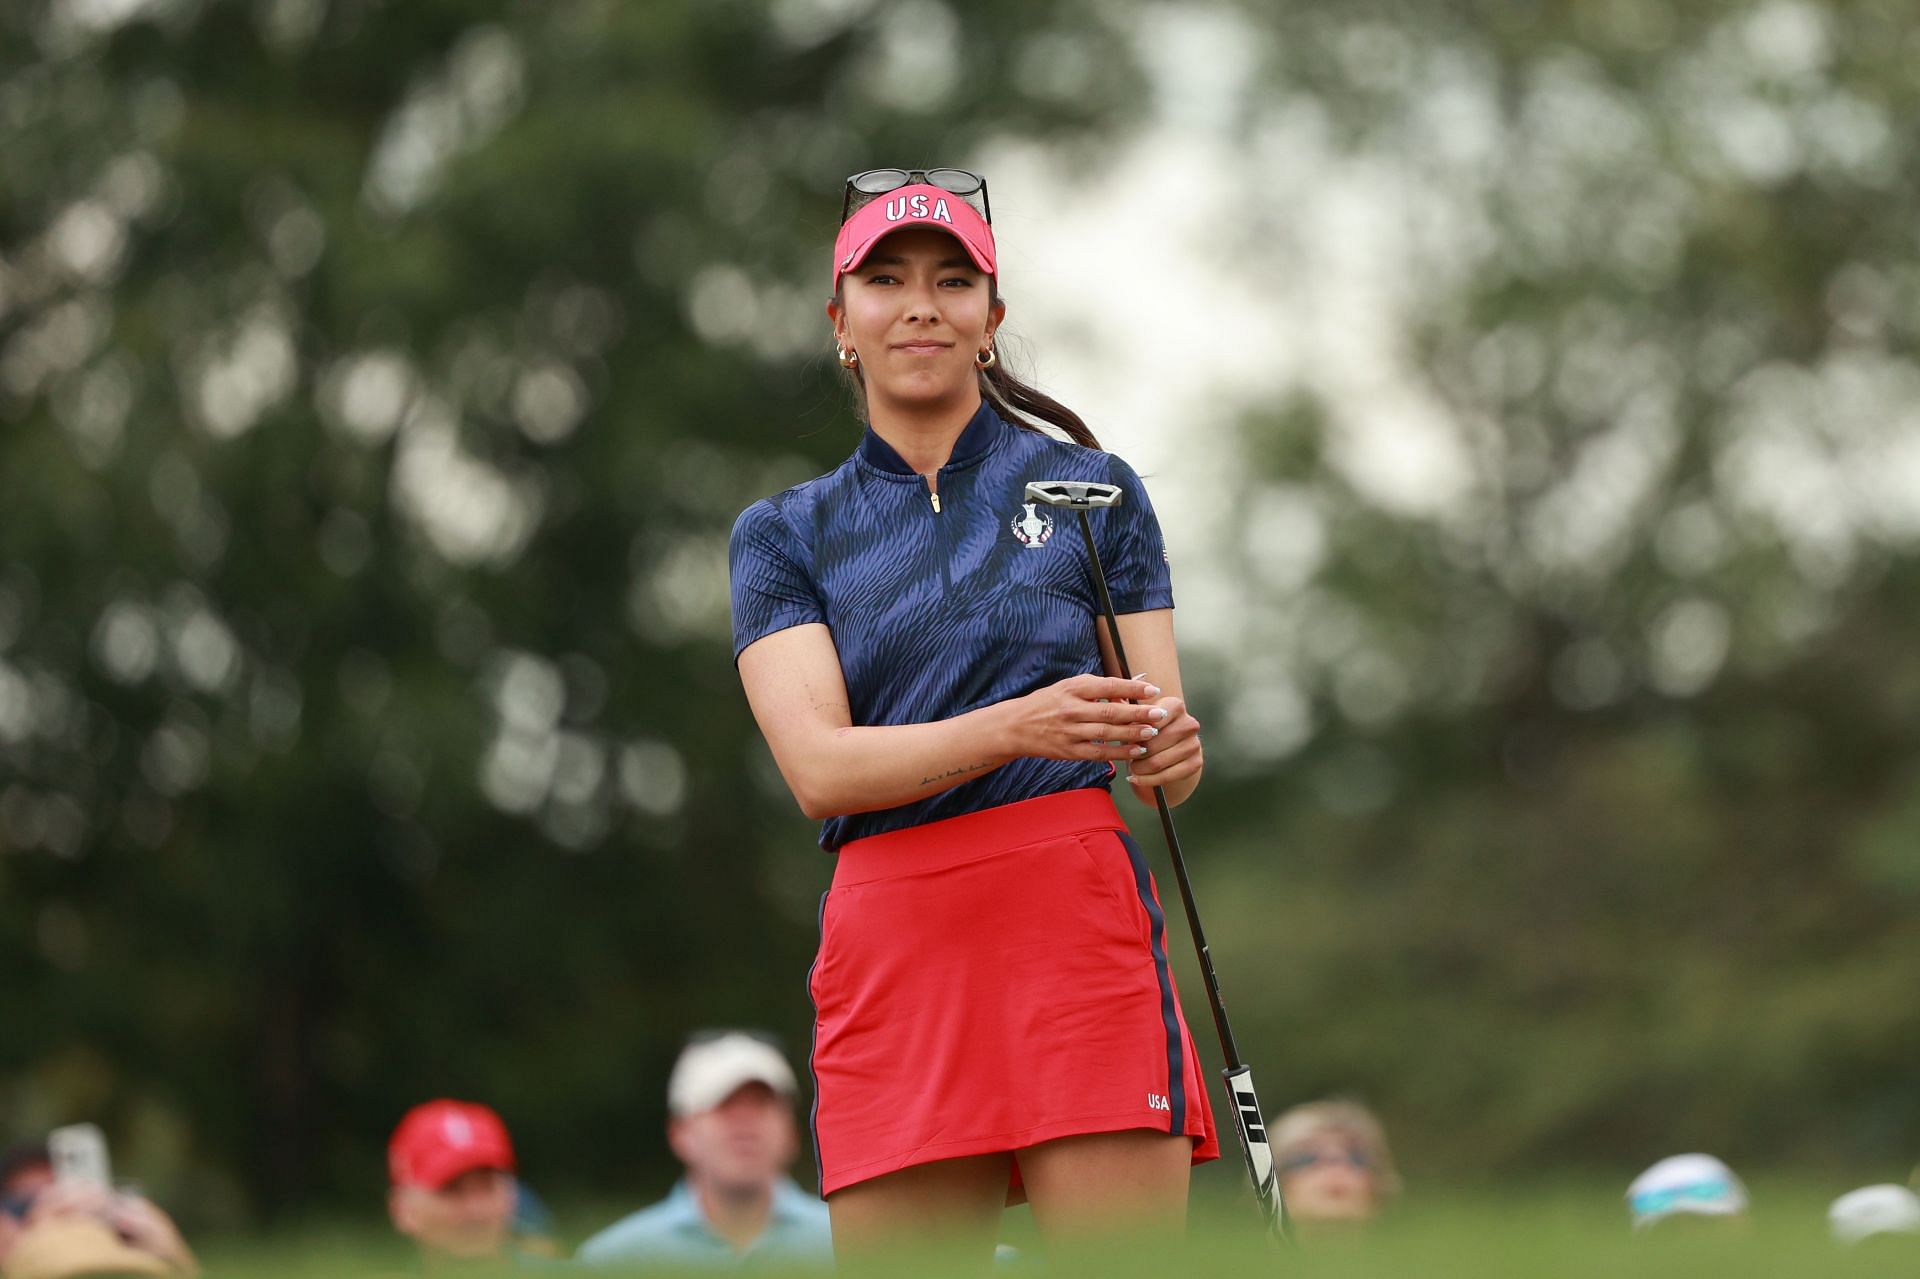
{"x":942,"y":608}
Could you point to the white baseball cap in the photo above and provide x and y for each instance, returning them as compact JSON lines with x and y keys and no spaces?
{"x":711,"y":1069}
{"x":1874,"y":1210}
{"x":1698,"y":1184}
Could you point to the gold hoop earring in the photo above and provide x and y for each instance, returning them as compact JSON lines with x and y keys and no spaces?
{"x":848,"y":359}
{"x":986,"y":359}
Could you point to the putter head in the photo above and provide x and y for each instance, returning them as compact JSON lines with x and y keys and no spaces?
{"x":1080,"y":495}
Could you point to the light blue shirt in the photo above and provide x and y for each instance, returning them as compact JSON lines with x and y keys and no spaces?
{"x":676,"y":1231}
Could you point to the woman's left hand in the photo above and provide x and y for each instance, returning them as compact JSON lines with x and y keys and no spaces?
{"x":1174,"y":755}
{"x":143,"y":1225}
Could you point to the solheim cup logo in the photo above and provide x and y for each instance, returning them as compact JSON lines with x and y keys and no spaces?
{"x":1032,"y":527}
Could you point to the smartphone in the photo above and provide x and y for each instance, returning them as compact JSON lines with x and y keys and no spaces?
{"x":79,"y":1153}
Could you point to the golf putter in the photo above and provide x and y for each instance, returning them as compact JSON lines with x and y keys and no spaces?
{"x":1081,"y":496}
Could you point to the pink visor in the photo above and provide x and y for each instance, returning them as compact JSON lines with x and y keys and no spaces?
{"x":920,"y":205}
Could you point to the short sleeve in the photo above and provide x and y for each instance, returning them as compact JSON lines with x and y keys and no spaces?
{"x":1134,"y":551}
{"x":771,"y":588}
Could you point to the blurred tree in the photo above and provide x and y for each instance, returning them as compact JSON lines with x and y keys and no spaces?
{"x":1589,"y":628}
{"x":380,"y":383}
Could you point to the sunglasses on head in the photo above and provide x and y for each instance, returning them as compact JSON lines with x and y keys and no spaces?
{"x":1305,"y":1159}
{"x":710,"y":1034}
{"x":874,"y":182}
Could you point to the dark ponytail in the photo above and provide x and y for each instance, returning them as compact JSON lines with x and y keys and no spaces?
{"x":1020,"y":403}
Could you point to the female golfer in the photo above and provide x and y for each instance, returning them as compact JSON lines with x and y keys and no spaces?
{"x":994,"y":1012}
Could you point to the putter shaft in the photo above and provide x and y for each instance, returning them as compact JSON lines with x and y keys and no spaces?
{"x":1228,"y":1048}
{"x":1249,"y":1119}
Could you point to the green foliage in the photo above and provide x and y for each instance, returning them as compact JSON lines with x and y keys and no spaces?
{"x":381,"y":383}
{"x":1602,"y":842}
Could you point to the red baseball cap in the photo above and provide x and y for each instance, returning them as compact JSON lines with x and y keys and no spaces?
{"x":918,"y":205}
{"x":438,"y":1140}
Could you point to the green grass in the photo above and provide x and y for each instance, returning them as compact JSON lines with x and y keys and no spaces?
{"x":1570,"y":1231}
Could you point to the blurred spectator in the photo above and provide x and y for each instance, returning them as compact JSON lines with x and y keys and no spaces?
{"x":72,"y":1247}
{"x":1693,"y":1186}
{"x":1333,"y":1163}
{"x":56,"y":1230}
{"x":455,"y":1192}
{"x":1884,"y":1211}
{"x":731,"y":1124}
{"x":25,"y":1169}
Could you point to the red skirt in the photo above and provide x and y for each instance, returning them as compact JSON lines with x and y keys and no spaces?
{"x":993,"y":981}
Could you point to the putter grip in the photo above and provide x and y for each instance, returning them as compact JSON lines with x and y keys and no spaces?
{"x":1250,"y":1123}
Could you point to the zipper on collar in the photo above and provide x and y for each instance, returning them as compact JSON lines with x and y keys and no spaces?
{"x":940,"y":540}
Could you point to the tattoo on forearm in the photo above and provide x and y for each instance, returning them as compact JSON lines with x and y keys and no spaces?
{"x":952,"y":773}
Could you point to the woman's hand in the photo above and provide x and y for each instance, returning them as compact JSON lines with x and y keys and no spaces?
{"x":1089,"y":717}
{"x":1174,"y":753}
{"x":70,"y":1199}
{"x":135,"y":1219}
{"x":143,"y":1225}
